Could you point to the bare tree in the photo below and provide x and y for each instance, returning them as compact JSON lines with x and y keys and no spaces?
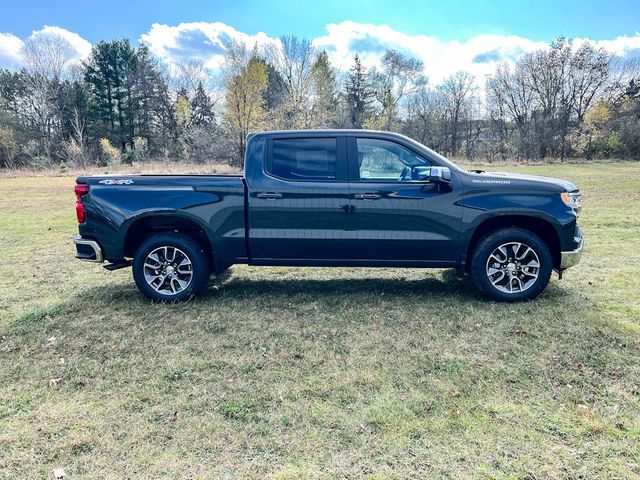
{"x":457,"y":93}
{"x":399,"y":77}
{"x":46,"y":57}
{"x":510,"y":101}
{"x":563,"y":83}
{"x":590,"y":73}
{"x":426,"y":115}
{"x":185,"y":76}
{"x":293,"y":59}
{"x":74,"y":149}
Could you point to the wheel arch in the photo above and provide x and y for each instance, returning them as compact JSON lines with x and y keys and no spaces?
{"x":540,"y":226}
{"x":143,"y":226}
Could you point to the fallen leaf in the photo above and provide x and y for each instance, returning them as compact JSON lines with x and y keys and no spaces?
{"x":454,"y":392}
{"x":585,"y":411}
{"x":54,"y":381}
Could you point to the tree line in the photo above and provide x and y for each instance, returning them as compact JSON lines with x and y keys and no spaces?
{"x":123,"y":105}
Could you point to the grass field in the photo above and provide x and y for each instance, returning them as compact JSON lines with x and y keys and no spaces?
{"x":319,"y":373}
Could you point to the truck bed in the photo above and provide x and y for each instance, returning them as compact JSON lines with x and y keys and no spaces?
{"x":117,"y":206}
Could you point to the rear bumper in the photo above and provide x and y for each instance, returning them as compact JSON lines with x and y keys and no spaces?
{"x":88,"y":250}
{"x":572,"y":257}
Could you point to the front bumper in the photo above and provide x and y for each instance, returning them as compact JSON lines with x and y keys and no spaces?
{"x":572,"y":257}
{"x":88,"y":250}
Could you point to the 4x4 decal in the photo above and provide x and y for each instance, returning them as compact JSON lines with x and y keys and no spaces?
{"x":120,"y":181}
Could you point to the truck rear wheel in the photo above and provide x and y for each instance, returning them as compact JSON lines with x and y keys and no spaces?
{"x":511,"y":265}
{"x":170,"y":267}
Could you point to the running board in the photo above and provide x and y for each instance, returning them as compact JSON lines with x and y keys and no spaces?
{"x":117,"y":266}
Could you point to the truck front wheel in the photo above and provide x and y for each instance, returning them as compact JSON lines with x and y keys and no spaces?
{"x":511,"y":265}
{"x":170,"y":267}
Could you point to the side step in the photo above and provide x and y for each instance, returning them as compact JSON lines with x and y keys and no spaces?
{"x":117,"y":266}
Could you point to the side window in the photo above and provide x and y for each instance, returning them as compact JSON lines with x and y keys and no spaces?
{"x":386,"y":161}
{"x":304,"y":158}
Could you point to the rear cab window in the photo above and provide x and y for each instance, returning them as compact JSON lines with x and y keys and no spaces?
{"x":307,"y":159}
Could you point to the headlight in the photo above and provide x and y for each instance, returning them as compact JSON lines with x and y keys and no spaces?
{"x":572,"y":200}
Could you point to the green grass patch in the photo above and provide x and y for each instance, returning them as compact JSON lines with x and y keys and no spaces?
{"x":34,"y":315}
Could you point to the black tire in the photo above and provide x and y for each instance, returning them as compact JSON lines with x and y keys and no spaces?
{"x":516,"y":274}
{"x":190,"y":278}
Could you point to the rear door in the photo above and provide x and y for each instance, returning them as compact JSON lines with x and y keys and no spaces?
{"x":299,"y":203}
{"x":397,"y":214}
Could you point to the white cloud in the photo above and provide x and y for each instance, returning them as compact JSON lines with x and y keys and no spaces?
{"x":197,"y":40}
{"x":11,"y":47}
{"x":204,"y":41}
{"x":621,"y":46}
{"x":79,"y":44}
{"x":478,"y":55}
{"x":10,"y":50}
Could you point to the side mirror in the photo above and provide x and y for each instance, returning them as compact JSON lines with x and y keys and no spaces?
{"x":439,"y":175}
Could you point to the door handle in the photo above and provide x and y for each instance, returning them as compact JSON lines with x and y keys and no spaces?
{"x":269,"y":195}
{"x":366,"y":196}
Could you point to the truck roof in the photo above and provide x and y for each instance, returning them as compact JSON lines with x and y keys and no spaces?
{"x":359,"y":132}
{"x":328,"y":131}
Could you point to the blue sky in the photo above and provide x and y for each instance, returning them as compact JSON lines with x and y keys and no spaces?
{"x":448,"y":20}
{"x":446,"y":35}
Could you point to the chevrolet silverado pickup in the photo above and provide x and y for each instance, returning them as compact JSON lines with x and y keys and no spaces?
{"x":332,"y":198}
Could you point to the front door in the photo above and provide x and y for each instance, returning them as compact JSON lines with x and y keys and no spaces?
{"x":397,"y":214}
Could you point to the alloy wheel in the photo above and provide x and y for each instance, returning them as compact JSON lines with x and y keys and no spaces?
{"x":513,"y":267}
{"x":168,"y":270}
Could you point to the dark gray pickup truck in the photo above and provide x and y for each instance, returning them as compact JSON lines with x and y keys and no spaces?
{"x":332,"y":198}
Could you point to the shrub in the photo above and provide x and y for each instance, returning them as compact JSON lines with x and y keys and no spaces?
{"x":130,"y":155}
{"x":74,"y":153}
{"x":140,"y":145}
{"x":109,"y":153}
{"x":8,"y":148}
{"x":136,"y":152}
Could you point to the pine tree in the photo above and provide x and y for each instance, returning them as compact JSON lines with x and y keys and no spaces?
{"x":202,"y":108}
{"x":358,"y":94}
{"x":126,"y":90}
{"x":324,"y":92}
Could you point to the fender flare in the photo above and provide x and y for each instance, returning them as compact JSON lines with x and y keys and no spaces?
{"x":170,"y":213}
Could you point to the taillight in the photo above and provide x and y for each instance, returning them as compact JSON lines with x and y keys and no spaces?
{"x":81,"y":189}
